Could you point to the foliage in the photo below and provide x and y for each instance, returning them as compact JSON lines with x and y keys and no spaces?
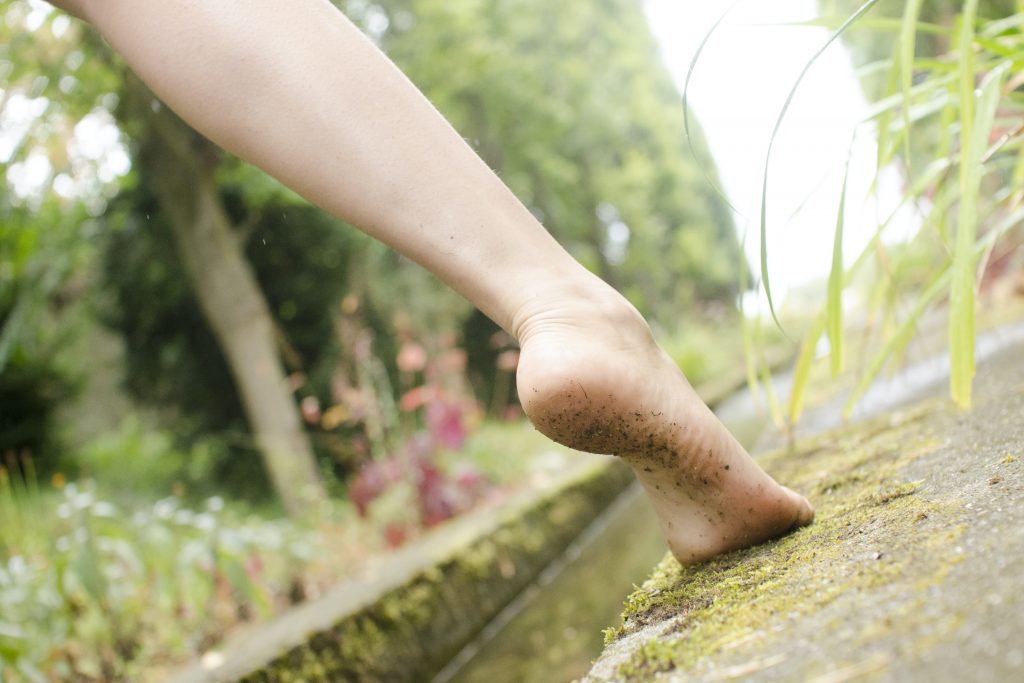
{"x":91,"y":593}
{"x":38,"y":254}
{"x":309,"y":266}
{"x":765,"y":281}
{"x":569,"y":104}
{"x":143,"y":463}
{"x":46,"y":240}
{"x":300,"y":256}
{"x":950,"y":118}
{"x":705,"y":349}
{"x":98,"y":583}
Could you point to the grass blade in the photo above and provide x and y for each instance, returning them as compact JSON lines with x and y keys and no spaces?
{"x":877,"y":24}
{"x":885,"y":146}
{"x":907,"y":44}
{"x":802,"y":369}
{"x":907,"y":328}
{"x":771,"y":143}
{"x":686,"y":110}
{"x":961,"y":294}
{"x":834,"y":303}
{"x":925,"y":90}
{"x":771,"y":398}
{"x":975,"y":127}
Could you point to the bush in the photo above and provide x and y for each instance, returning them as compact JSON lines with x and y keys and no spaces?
{"x":29,"y":393}
{"x":147,"y":463}
{"x":89,"y":592}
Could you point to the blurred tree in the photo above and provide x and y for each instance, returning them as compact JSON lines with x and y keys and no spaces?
{"x":213,"y":276}
{"x":180,"y":168}
{"x":33,"y":268}
{"x":570,"y":104}
{"x":75,"y":75}
{"x":45,"y":236}
{"x":304,"y":261}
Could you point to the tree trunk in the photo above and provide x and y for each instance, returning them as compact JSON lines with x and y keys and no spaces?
{"x":180,"y":165}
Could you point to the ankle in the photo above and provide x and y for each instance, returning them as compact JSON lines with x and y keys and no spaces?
{"x":586,"y":305}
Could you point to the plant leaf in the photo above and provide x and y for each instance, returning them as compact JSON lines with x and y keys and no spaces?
{"x":905,"y":329}
{"x":771,"y":142}
{"x":802,"y":369}
{"x":908,"y":38}
{"x":686,"y":110}
{"x":834,"y":303}
{"x":975,"y":127}
{"x":909,"y":324}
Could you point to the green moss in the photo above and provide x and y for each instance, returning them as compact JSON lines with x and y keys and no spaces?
{"x":651,"y":657}
{"x":412,"y":631}
{"x":1008,"y":459}
{"x":871,"y":529}
{"x":893,"y":492}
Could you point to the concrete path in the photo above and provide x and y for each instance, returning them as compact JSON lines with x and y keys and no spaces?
{"x":913,"y":570}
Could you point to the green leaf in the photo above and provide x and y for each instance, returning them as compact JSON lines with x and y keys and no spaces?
{"x":834,"y":303}
{"x":909,"y":324}
{"x":870,"y":23}
{"x":961,"y":296}
{"x":906,"y":329}
{"x":13,"y":642}
{"x":802,"y":369}
{"x":908,"y":37}
{"x":997,"y":26}
{"x":975,"y":128}
{"x":932,"y":88}
{"x":771,"y":142}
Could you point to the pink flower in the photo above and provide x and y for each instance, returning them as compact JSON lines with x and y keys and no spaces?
{"x":411,"y":357}
{"x":445,"y":422}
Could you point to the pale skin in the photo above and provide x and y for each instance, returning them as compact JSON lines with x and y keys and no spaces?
{"x":294,"y":88}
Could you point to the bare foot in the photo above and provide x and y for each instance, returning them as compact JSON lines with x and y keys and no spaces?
{"x":592,"y":378}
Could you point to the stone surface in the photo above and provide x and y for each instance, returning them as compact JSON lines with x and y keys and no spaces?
{"x":913,"y":570}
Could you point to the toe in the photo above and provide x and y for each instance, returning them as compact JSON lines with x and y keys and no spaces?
{"x":805,"y":511}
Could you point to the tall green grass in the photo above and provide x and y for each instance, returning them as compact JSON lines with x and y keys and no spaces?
{"x":936,"y":118}
{"x":765,"y":280}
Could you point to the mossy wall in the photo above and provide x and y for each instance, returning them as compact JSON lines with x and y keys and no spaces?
{"x":412,"y":631}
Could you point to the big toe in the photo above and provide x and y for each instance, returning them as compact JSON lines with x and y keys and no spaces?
{"x":805,"y":511}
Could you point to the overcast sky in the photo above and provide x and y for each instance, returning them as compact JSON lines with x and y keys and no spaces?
{"x":739,"y":86}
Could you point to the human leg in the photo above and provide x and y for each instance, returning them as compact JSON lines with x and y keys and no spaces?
{"x":297,"y":90}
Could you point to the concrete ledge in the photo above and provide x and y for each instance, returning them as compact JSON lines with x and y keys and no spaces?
{"x":909,"y":573}
{"x":411,"y":611}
